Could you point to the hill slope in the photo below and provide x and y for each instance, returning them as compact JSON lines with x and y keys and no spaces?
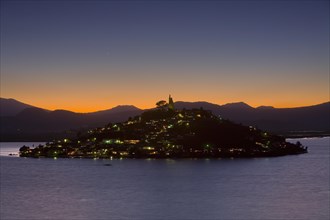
{"x":11,"y":107}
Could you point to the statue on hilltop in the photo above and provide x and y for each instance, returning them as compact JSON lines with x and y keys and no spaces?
{"x":170,"y":103}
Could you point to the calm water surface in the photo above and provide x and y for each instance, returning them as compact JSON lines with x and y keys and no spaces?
{"x":290,"y":187}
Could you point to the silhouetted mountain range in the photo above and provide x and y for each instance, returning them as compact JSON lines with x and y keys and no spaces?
{"x":20,"y":121}
{"x":278,"y":120}
{"x":34,"y":123}
{"x":11,"y":107}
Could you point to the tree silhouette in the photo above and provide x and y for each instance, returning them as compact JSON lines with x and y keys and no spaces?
{"x":161,"y":104}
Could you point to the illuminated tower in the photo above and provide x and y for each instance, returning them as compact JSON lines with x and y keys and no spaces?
{"x":170,"y":103}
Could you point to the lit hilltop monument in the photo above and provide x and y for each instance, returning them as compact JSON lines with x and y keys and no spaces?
{"x":170,"y":103}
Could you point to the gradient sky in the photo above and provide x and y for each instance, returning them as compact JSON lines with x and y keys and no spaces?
{"x":92,"y":55}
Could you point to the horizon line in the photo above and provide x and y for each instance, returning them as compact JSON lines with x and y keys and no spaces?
{"x":146,"y":108}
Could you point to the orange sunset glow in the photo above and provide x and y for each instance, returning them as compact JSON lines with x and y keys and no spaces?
{"x":126,"y":54}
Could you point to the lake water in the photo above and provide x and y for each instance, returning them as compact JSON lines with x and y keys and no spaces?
{"x":289,"y":187}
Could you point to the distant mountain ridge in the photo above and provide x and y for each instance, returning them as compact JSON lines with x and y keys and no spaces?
{"x":11,"y":107}
{"x":22,"y":121}
{"x":309,"y":118}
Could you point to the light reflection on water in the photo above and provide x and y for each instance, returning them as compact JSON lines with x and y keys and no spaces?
{"x":290,"y":187}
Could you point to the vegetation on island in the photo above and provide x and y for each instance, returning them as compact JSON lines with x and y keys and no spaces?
{"x":165,"y":132}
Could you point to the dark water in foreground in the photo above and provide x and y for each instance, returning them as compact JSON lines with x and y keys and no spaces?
{"x":290,"y":187}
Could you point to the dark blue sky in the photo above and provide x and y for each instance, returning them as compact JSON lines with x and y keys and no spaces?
{"x":112,"y":52}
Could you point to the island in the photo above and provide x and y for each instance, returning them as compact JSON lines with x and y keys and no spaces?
{"x":166,"y":132}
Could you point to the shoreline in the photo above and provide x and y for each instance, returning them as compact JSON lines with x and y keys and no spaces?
{"x":286,"y":136}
